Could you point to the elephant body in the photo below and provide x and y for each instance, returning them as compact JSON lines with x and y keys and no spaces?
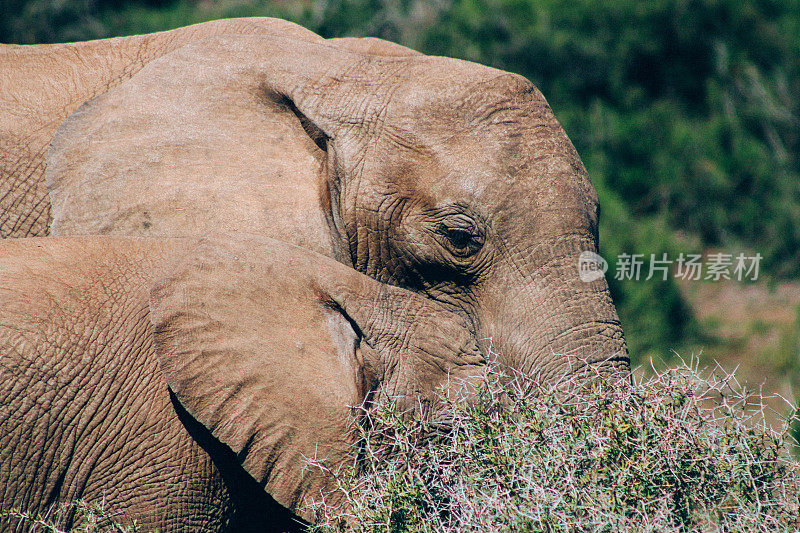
{"x":130,"y":375}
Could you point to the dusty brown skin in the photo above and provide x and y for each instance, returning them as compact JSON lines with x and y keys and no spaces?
{"x":166,"y":376}
{"x":442,"y":176}
{"x":42,"y":85}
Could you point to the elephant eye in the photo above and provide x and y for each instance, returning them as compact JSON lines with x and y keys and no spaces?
{"x":458,"y":237}
{"x":462,"y":241}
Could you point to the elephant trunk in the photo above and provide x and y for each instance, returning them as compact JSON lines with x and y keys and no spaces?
{"x":555,"y":326}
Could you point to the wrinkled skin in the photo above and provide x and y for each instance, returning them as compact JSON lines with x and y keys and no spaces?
{"x":42,"y":85}
{"x":448,"y":178}
{"x":162,"y":375}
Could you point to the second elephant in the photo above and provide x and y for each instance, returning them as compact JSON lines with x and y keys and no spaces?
{"x":183,"y":380}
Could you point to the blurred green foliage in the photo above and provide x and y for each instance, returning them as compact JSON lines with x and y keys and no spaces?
{"x":686,"y":112}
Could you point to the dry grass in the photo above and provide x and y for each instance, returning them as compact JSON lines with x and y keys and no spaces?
{"x":90,"y":517}
{"x":755,"y":329}
{"x":679,"y":451}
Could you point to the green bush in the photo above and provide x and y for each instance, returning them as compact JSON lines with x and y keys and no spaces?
{"x":676,"y":452}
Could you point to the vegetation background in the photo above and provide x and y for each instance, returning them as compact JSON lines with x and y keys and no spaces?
{"x":685,"y":112}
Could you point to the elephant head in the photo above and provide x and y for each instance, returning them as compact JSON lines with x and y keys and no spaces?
{"x":448,"y":178}
{"x":456,"y":180}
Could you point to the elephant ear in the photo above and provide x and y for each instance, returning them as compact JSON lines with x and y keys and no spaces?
{"x":224,"y":134}
{"x":271,"y":346}
{"x":251,"y":353}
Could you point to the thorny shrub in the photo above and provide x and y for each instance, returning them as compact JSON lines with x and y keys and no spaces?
{"x":680,"y":451}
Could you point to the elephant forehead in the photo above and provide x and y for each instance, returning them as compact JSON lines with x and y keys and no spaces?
{"x":503,"y":126}
{"x":480,"y":137}
{"x":488,"y":169}
{"x":433,"y":90}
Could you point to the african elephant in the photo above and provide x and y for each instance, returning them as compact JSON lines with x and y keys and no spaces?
{"x":448,"y":178}
{"x":178,"y":378}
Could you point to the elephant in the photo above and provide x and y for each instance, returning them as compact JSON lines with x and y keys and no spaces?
{"x":447,"y":183}
{"x":187,"y":382}
{"x":447,"y":178}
